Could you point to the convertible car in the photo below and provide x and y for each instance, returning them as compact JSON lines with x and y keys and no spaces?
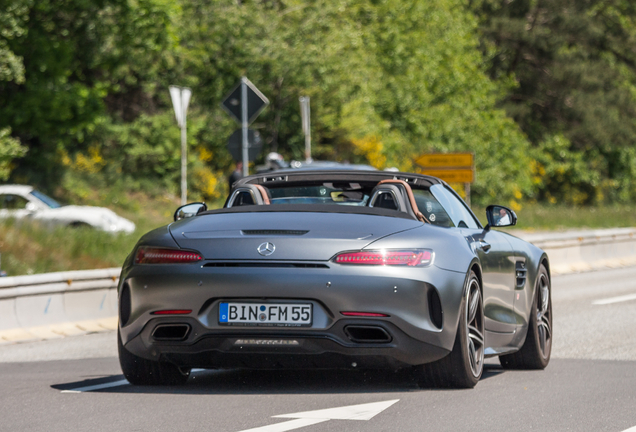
{"x":334,"y":269}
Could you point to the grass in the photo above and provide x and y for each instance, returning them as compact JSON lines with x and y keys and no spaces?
{"x":539,"y":217}
{"x":27,"y":247}
{"x":30,"y":248}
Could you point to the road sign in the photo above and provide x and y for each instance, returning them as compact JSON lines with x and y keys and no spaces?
{"x":254,"y":144}
{"x":307,"y":418}
{"x":245,"y":103}
{"x":256,"y":101}
{"x":180,"y":99}
{"x":450,"y":167}
{"x":451,"y":175}
{"x":446,"y":160}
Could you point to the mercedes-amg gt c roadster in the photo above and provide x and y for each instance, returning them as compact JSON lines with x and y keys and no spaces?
{"x":334,"y":269}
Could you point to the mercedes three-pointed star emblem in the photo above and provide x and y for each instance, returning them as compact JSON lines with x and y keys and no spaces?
{"x":266,"y":249}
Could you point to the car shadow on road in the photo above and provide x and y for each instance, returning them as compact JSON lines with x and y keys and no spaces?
{"x":272,"y":382}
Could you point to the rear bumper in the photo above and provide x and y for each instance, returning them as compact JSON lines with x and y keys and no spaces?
{"x":401,"y":293}
{"x":334,"y":348}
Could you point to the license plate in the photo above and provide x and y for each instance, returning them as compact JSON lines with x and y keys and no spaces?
{"x":266,"y":314}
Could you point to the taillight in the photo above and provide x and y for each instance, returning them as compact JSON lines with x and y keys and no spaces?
{"x":152,"y":255}
{"x":172,"y":312}
{"x":411,"y":258}
{"x":365,"y":314}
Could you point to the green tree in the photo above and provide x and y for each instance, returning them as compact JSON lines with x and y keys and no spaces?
{"x":575,"y":66}
{"x":81,"y":57}
{"x":12,"y":19}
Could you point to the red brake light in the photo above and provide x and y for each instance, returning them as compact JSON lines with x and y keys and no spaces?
{"x":411,"y":258}
{"x":151,"y":255}
{"x":172,"y":312}
{"x":365,"y":314}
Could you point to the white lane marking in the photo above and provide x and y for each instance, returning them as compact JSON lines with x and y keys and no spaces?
{"x":631,"y":429}
{"x":97,"y":386}
{"x":287,"y":426}
{"x":307,"y":418}
{"x":615,"y":299}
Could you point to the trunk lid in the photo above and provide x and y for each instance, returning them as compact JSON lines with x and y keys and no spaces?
{"x":296,"y":236}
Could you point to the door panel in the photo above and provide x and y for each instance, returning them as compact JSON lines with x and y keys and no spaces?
{"x":498,"y":267}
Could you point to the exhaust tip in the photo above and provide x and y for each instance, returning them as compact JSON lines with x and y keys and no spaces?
{"x":367,"y":334}
{"x":171,"y":332}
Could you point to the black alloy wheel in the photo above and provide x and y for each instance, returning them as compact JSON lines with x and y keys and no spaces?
{"x":463,"y":367}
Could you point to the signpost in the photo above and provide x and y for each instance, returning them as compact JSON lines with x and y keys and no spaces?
{"x":235,"y":144}
{"x":306,"y":121}
{"x":180,"y":99}
{"x":245,"y":102}
{"x":450,"y":167}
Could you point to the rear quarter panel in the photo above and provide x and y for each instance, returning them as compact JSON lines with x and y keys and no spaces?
{"x":534,"y":257}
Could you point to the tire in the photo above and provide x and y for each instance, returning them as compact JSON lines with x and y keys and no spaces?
{"x":82,"y":225}
{"x":535,"y":352}
{"x":139,"y":371}
{"x":463,"y":367}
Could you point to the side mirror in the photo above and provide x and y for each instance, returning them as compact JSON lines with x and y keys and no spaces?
{"x":189,"y":210}
{"x":31,"y":207}
{"x":499,"y":216}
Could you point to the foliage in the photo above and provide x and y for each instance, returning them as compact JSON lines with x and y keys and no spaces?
{"x":387,"y":81}
{"x":79,"y":57}
{"x":12,"y":18}
{"x":575,"y":66}
{"x":546,"y":98}
{"x":10,"y":149}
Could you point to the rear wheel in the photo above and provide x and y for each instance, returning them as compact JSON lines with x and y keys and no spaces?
{"x":463,"y":367}
{"x":139,"y":371}
{"x":535,"y":352}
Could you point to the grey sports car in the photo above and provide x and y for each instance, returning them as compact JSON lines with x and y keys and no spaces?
{"x":334,"y":269}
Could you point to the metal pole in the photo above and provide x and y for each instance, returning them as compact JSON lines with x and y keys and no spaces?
{"x":244,"y":125}
{"x":467,"y":192}
{"x":184,"y":150}
{"x":306,"y":123}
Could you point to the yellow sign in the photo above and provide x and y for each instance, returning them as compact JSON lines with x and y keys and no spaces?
{"x":445,"y":160}
{"x":451,"y":175}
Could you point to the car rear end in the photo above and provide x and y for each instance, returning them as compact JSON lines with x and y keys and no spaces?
{"x":283,"y":289}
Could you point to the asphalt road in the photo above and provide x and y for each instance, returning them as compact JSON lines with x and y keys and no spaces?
{"x":75,"y":384}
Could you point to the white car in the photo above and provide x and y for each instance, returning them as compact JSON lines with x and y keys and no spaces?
{"x":20,"y":202}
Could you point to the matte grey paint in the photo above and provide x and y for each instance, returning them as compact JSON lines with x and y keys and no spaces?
{"x":400,"y":292}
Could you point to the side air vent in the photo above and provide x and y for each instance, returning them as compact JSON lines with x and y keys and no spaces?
{"x":435,"y":308}
{"x":124,"y":304}
{"x":520,"y":273}
{"x":267,"y":265}
{"x":274,"y":232}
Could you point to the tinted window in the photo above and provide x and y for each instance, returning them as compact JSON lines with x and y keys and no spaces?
{"x":459,"y":214}
{"x":243,"y":198}
{"x":431,"y":208}
{"x":12,"y":202}
{"x":328,"y":193}
{"x":385,"y":199}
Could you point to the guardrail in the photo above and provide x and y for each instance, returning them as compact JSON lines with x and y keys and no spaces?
{"x":585,"y":250}
{"x":42,"y":300}
{"x":56,"y":304}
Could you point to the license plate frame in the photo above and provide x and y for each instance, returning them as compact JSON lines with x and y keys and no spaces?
{"x":274,"y":314}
